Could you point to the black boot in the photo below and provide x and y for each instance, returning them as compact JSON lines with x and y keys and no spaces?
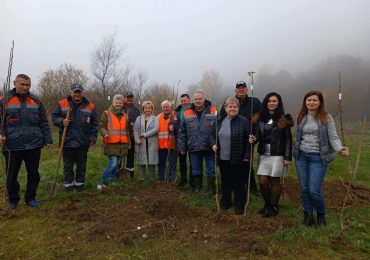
{"x":225,"y":199}
{"x":197,"y":184}
{"x":239,"y":210}
{"x":308,"y":219}
{"x":271,"y":211}
{"x":320,"y":220}
{"x":182,"y":183}
{"x":211,"y":187}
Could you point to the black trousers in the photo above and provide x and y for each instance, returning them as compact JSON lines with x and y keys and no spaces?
{"x":13,"y":162}
{"x":72,"y":156}
{"x":233,"y":180}
{"x":184,"y":167}
{"x":131,"y":156}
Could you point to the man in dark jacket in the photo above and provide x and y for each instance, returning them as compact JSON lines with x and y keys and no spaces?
{"x":246,"y":105}
{"x":184,"y":104}
{"x":197,"y":134}
{"x":24,"y":131}
{"x":82,"y":132}
{"x":133,"y":113}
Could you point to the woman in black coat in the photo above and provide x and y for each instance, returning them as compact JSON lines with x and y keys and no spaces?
{"x":233,"y":153}
{"x":274,"y":148}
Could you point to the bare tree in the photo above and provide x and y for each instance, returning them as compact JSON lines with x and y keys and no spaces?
{"x":55,"y":84}
{"x":140,"y":79}
{"x":157,"y":93}
{"x":211,"y":84}
{"x":106,"y":66}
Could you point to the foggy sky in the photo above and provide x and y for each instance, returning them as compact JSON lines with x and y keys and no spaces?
{"x":179,"y":40}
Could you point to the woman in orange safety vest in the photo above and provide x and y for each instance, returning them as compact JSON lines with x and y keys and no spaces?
{"x":113,"y":126}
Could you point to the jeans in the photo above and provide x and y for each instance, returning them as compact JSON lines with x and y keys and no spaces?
{"x":196,"y":162}
{"x":163,"y":156}
{"x":110,"y":171}
{"x":311,"y":172}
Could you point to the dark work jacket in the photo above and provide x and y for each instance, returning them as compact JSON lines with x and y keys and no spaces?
{"x":198,"y":135}
{"x":179,"y":111}
{"x":281,"y":137}
{"x":83,"y":128}
{"x":245,"y":108}
{"x":133,"y":112}
{"x":240,"y":147}
{"x":25,"y":123}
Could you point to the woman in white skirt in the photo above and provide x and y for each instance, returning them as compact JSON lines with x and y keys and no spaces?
{"x":274,"y":138}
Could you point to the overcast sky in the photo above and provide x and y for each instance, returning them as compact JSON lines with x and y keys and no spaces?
{"x":179,"y":40}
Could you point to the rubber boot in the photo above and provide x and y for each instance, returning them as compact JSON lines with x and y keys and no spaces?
{"x":308,"y":219}
{"x":182,"y":183}
{"x":271,"y":211}
{"x":197,"y":181}
{"x":320,"y":220}
{"x":211,"y":187}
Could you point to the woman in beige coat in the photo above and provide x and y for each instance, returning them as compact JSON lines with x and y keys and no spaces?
{"x":146,"y":140}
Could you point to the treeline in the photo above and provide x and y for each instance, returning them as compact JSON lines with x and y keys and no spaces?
{"x":355,"y":82}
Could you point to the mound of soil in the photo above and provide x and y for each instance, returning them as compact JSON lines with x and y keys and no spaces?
{"x":334,"y":191}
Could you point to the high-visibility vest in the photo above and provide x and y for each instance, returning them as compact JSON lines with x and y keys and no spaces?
{"x":166,"y":140}
{"x":116,"y":129}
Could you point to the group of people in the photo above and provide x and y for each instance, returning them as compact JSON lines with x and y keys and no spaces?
{"x":193,"y":130}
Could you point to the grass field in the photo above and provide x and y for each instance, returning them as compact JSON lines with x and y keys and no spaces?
{"x":96,"y":225}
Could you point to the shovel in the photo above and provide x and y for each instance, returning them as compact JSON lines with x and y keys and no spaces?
{"x":52,"y":187}
{"x":123,"y":174}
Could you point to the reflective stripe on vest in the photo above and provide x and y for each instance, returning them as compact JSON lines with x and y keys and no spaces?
{"x":65,"y":106}
{"x":15,"y":102}
{"x":116,"y":129}
{"x":165,"y":139}
{"x":190,"y":113}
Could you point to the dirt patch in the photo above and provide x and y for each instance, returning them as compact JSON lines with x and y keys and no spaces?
{"x":334,"y":193}
{"x":159,"y":213}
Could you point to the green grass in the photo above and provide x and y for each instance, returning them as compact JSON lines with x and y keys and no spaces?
{"x":36,"y":234}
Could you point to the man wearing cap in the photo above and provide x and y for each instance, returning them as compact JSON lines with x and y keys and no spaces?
{"x":24,"y":130}
{"x":133,"y":112}
{"x":246,"y":102}
{"x":82,"y":132}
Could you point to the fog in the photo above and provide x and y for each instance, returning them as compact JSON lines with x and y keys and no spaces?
{"x":179,"y":40}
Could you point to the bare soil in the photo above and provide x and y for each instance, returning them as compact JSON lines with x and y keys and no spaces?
{"x":159,"y":213}
{"x":334,"y":191}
